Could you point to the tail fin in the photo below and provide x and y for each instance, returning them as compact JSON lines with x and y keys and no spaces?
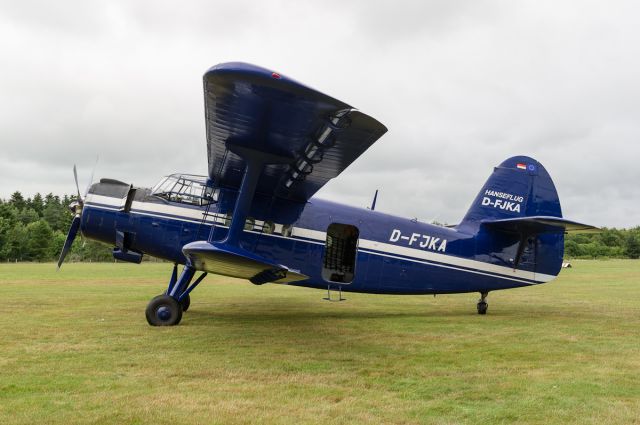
{"x":519,"y":187}
{"x":517,"y":219}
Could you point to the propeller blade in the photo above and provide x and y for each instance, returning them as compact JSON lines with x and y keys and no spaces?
{"x":73,"y":230}
{"x":92,"y":174}
{"x":75,"y":176}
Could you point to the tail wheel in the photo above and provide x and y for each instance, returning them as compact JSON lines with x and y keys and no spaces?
{"x":163,"y":310}
{"x":482,"y":307}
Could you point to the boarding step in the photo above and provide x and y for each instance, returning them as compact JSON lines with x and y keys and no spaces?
{"x":334,"y":288}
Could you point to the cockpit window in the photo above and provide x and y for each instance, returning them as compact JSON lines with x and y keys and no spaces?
{"x":186,"y":189}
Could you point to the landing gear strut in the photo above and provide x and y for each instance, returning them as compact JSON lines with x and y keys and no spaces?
{"x":167,"y":309}
{"x":482,"y":303}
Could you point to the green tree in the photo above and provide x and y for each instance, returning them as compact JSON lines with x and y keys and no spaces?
{"x":57,"y":242}
{"x":5,"y":225}
{"x":611,"y":237}
{"x":17,"y":200}
{"x":56,"y":214}
{"x":9,"y":212}
{"x":28,"y":216}
{"x":90,"y":251}
{"x":40,"y":237}
{"x":8,"y":219}
{"x":632,"y":245}
{"x":610,"y":243}
{"x":571,"y":249}
{"x":67,"y":217}
{"x":37,"y":204}
{"x":580,"y":238}
{"x":16,"y":244}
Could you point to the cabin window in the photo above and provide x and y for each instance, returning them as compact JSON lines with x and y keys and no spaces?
{"x":186,"y":189}
{"x":268,"y":227}
{"x":339,"y":261}
{"x":287,"y":230}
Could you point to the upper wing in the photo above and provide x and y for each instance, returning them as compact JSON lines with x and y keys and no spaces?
{"x":306,"y":137}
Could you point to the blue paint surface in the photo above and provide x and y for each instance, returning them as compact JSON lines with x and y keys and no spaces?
{"x":377,"y":270}
{"x":272,"y":144}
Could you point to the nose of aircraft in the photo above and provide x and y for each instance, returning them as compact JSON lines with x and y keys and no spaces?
{"x":74,"y":206}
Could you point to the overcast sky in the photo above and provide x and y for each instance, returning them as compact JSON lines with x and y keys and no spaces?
{"x":461,"y":85}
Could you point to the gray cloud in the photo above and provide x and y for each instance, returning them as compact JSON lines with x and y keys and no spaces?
{"x":460,"y":84}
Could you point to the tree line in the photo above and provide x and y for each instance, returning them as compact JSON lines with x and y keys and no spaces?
{"x":34,"y":229}
{"x":610,"y":243}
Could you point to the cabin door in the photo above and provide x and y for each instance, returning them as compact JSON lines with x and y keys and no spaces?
{"x":339,"y":260}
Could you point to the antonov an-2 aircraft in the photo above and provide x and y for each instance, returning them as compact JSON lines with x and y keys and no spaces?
{"x":272,"y":144}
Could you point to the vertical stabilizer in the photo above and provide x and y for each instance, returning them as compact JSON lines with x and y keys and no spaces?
{"x":519,"y":187}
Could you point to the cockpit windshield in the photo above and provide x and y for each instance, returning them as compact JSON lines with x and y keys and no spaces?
{"x":186,"y":189}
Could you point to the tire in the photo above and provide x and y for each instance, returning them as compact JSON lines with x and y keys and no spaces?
{"x":482,"y":307}
{"x":163,"y":310}
{"x":185,"y":303}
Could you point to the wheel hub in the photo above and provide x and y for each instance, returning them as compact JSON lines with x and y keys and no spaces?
{"x":163,"y":313}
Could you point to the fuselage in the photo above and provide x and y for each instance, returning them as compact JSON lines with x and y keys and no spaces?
{"x":393,"y":255}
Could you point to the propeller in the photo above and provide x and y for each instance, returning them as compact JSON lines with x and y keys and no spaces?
{"x":73,"y":230}
{"x":75,"y":176}
{"x":91,"y":178}
{"x":76,"y":208}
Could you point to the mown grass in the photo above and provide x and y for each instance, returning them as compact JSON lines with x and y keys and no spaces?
{"x":75,"y":348}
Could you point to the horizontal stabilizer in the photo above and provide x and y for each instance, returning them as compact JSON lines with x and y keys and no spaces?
{"x":237,"y":262}
{"x":539,"y":224}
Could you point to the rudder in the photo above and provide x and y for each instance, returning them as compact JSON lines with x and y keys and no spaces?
{"x":519,"y":187}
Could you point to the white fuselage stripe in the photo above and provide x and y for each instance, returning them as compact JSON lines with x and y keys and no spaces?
{"x":319,"y":237}
{"x":419,"y":254}
{"x":150,"y":207}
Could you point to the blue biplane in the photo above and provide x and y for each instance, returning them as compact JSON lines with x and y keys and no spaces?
{"x":272,"y":144}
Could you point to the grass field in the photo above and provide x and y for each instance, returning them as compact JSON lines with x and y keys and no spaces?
{"x":75,"y":348}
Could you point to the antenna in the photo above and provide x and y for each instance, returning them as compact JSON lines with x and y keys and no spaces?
{"x":375,"y":198}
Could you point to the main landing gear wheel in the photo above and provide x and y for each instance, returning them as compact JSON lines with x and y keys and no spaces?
{"x":482,"y":303}
{"x":185,"y":303}
{"x":163,"y":310}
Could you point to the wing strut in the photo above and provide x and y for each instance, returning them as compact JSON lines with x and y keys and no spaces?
{"x":226,"y":256}
{"x":254,"y":161}
{"x":247,"y":189}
